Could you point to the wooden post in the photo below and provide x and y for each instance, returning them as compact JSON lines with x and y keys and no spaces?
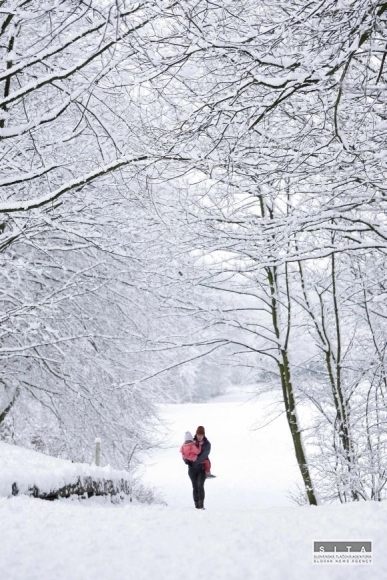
{"x":98,"y":451}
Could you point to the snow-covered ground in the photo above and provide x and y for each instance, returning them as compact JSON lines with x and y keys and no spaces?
{"x":249,"y":531}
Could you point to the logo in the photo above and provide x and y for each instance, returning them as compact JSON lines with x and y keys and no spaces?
{"x":342,"y":552}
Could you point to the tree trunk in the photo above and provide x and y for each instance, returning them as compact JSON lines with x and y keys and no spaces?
{"x":287,"y":386}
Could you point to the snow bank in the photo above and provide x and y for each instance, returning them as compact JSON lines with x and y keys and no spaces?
{"x":29,"y":469}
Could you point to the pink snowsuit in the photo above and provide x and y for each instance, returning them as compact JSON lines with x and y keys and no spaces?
{"x":191,"y":451}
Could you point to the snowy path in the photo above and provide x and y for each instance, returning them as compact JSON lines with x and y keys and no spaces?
{"x":67,"y":541}
{"x":254,"y":468}
{"x":247,"y":532}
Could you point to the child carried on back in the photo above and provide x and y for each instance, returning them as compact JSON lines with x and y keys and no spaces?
{"x":190,"y":451}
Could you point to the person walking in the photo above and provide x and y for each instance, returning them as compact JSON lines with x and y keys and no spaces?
{"x":196,"y":471}
{"x":191,"y":449}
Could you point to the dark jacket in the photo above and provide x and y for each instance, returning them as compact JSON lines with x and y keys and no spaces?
{"x":206,"y":448}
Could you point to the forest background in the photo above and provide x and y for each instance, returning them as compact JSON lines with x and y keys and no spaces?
{"x":193,"y":194}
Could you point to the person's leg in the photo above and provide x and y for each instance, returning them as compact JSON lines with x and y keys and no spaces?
{"x":193,"y":474}
{"x":200,"y":485}
{"x":207,"y":469}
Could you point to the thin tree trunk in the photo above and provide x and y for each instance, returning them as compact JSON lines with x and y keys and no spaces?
{"x":285,"y":373}
{"x":333,"y":363}
{"x":5,"y":412}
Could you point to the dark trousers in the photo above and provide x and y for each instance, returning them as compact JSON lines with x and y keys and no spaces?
{"x":198,"y":477}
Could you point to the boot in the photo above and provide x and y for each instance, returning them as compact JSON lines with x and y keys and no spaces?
{"x":197,"y":505}
{"x":201,"y":504}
